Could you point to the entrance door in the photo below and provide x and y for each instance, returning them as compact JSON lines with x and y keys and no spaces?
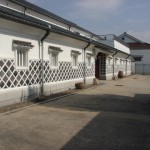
{"x":100,"y":66}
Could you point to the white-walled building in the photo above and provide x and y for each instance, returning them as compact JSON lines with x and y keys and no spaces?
{"x":121,"y":60}
{"x":42,"y":53}
{"x":140,"y":52}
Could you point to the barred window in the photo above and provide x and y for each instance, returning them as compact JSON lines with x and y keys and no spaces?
{"x":21,"y":49}
{"x":54,"y":56}
{"x":22,"y":58}
{"x":54,"y":59}
{"x":88,"y":61}
{"x":75,"y":55}
{"x":74,"y":60}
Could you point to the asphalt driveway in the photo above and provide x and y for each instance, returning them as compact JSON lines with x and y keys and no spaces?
{"x":114,"y":116}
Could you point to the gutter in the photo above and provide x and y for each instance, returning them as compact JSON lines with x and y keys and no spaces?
{"x":48,"y":31}
{"x":84,"y":69}
{"x":126,"y":64}
{"x":114,"y":64}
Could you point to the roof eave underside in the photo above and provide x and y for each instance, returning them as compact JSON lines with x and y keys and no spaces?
{"x":28,"y":20}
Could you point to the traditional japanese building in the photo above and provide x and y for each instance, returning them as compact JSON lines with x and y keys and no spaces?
{"x":42,"y":53}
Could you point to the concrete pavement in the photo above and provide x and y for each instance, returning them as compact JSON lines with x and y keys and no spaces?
{"x":110,"y":117}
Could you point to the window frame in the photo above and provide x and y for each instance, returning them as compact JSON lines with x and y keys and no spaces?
{"x":141,"y":58}
{"x":17,"y":59}
{"x":89,"y":55}
{"x":21,"y":48}
{"x":76,"y":55}
{"x":116,"y":61}
{"x":53,"y":50}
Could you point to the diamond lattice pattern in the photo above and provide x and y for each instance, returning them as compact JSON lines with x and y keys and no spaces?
{"x":10,"y":77}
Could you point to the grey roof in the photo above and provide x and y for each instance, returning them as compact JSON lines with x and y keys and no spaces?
{"x":114,"y":37}
{"x":20,"y":17}
{"x":49,"y":14}
{"x":126,"y":34}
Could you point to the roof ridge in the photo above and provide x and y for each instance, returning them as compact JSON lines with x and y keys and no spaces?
{"x":132,"y":37}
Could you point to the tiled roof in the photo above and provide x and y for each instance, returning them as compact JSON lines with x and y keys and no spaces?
{"x":129,"y":36}
{"x":49,"y":14}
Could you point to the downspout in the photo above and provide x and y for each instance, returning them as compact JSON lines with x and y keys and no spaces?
{"x":126,"y":63}
{"x":84,"y":69}
{"x":42,"y":58}
{"x":114,"y":64}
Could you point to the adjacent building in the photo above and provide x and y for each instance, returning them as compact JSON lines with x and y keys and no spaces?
{"x":141,"y":52}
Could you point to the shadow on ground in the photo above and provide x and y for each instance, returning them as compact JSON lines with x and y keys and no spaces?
{"x":121,"y":124}
{"x":139,"y":104}
{"x":107,"y":132}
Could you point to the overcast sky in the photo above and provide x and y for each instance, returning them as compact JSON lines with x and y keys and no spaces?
{"x":104,"y":16}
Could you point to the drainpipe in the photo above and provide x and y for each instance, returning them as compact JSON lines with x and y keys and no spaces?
{"x":126,"y":63}
{"x":114,"y":64}
{"x":84,"y":69}
{"x":42,"y":58}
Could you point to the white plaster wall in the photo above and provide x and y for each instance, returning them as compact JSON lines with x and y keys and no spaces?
{"x":144,"y":53}
{"x":7,"y":49}
{"x":65,"y":55}
{"x":121,"y":47}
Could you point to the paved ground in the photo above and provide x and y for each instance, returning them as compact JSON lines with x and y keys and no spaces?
{"x":115,"y":116}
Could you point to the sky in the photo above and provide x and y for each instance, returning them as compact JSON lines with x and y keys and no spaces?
{"x":104,"y":16}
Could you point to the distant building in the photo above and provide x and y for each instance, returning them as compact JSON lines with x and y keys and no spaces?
{"x":42,"y":53}
{"x":141,"y":52}
{"x":121,"y":60}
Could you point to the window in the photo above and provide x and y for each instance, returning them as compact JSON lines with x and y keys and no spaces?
{"x":54,"y":59}
{"x":116,"y":61}
{"x":54,"y":55}
{"x":75,"y":60}
{"x":88,"y":61}
{"x":109,"y":61}
{"x":21,"y":53}
{"x":22,"y":58}
{"x":74,"y":55}
{"x":138,"y":58}
{"x":120,"y":61}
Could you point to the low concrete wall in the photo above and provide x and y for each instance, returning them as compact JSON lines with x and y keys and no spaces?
{"x":14,"y":95}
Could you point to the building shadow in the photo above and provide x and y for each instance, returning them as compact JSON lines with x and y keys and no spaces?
{"x":139,"y":104}
{"x":112,"y":132}
{"x":122,"y":122}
